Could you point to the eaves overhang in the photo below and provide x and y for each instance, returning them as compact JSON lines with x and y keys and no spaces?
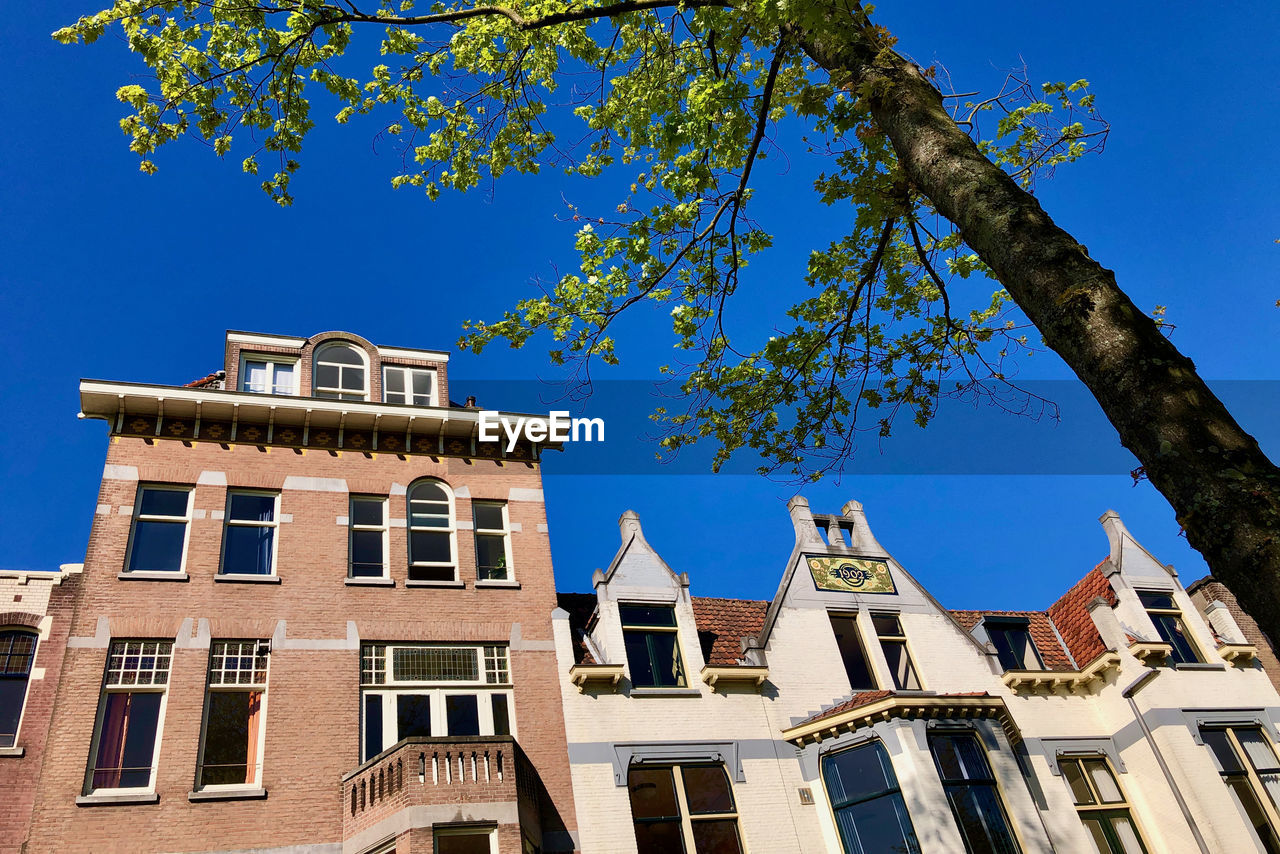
{"x":944,"y":708}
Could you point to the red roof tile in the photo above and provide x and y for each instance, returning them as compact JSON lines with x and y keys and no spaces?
{"x":211,"y":381}
{"x":1071,"y":616}
{"x":723,"y":623}
{"x":1042,"y":634}
{"x":581,"y":608}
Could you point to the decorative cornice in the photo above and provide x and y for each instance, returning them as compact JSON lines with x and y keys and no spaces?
{"x":1049,"y":681}
{"x":899,"y":706}
{"x":738,"y":673}
{"x":584,"y":674}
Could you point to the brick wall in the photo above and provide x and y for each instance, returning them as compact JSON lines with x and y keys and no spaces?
{"x":1209,"y":590}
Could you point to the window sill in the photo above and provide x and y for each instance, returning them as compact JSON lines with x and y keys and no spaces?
{"x":247,"y":579}
{"x":510,"y":585}
{"x":144,"y":575}
{"x":1199,"y":665}
{"x":665,"y":692}
{"x":13,"y":752}
{"x":454,"y":584}
{"x":122,"y":799}
{"x":370,"y":582}
{"x":252,"y":794}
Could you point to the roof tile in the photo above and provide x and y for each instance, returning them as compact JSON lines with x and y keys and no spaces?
{"x":723,"y":623}
{"x":1071,"y":615}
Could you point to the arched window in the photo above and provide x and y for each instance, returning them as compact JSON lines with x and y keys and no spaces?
{"x":432,"y":543}
{"x":17,"y":652}
{"x":340,"y":372}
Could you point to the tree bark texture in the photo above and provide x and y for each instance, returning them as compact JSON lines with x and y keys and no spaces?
{"x":1224,"y":490}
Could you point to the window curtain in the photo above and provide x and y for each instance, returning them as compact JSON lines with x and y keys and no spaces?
{"x":251,"y":755}
{"x":115,"y":726}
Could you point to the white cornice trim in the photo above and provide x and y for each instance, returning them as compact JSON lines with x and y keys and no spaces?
{"x":265,"y":339}
{"x":407,"y":353}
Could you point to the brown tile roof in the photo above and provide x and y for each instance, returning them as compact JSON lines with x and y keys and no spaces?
{"x":866,"y":698}
{"x":1071,"y":616}
{"x":723,"y":623}
{"x":581,"y":608}
{"x":1042,"y":634}
{"x":211,"y":381}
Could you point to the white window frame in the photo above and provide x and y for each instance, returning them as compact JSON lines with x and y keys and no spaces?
{"x":451,"y":530}
{"x":210,"y":688}
{"x":109,"y":688}
{"x":504,"y":532}
{"x":408,"y":371}
{"x":383,"y":528}
{"x":272,"y":361}
{"x":138,"y":516}
{"x":228,"y":523}
{"x":439,"y":830}
{"x":318,"y":357}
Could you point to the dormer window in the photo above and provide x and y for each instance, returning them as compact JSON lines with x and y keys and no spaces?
{"x":653,"y":649}
{"x":1014,"y":645}
{"x":269,"y":375}
{"x":340,"y":372}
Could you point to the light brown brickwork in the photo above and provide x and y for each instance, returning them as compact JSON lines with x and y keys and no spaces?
{"x":1208,"y":590}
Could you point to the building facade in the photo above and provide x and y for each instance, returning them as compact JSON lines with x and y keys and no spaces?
{"x":314,"y":616}
{"x":853,"y":713}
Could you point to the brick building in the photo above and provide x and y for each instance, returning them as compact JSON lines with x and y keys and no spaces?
{"x":314,"y":616}
{"x":854,"y":713}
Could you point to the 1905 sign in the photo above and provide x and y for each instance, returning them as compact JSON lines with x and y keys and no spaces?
{"x":850,"y":574}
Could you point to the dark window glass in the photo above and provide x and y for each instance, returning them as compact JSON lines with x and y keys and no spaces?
{"x":655,"y":810}
{"x":853,"y":654}
{"x":413,"y":716}
{"x":431,"y":547}
{"x":716,"y":836}
{"x":653,"y":656}
{"x":972,"y":793}
{"x":431,"y":573}
{"x":1157,"y":600}
{"x":642,"y":615}
{"x":706,"y":788}
{"x":17,"y":653}
{"x":372,"y":726}
{"x":231,"y":735}
{"x":248,"y":550}
{"x":659,"y":837}
{"x":342,"y":354}
{"x":870,"y":812}
{"x":366,"y":554}
{"x":491,"y":557}
{"x":366,"y":511}
{"x":1234,"y":767}
{"x":327,"y":376}
{"x":488,"y":516}
{"x":157,"y":546}
{"x":1174,"y":633}
{"x":463,"y":713}
{"x":462,"y":843}
{"x":900,"y":665}
{"x":163,"y":502}
{"x":1014,"y":646}
{"x":250,"y":507}
{"x":501,"y":715}
{"x":886,"y":624}
{"x":127,"y":740}
{"x":421,"y":386}
{"x":395,"y":384}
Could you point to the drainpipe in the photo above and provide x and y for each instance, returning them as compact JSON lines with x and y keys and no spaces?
{"x":1137,"y":685}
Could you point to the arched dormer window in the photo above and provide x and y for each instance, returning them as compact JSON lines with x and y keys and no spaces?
{"x":432,"y":532}
{"x":340,"y":372}
{"x":17,"y":653}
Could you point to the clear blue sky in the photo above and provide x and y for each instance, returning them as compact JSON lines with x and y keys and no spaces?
{"x":108,"y":273}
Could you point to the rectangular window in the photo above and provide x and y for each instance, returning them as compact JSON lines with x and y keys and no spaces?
{"x":972,"y":793}
{"x":871,"y":815}
{"x":415,"y":386}
{"x":368,"y":541}
{"x":435,"y":690}
{"x":1248,"y":766}
{"x":128,"y":733}
{"x":234,"y":708}
{"x":1166,"y":616}
{"x":653,"y":649}
{"x":249,"y":541}
{"x":17,"y":654}
{"x":158,"y":542}
{"x":464,"y":840}
{"x":683,"y":808}
{"x":1014,"y":645}
{"x":493,"y":541}
{"x":268,"y":375}
{"x":849,"y":641}
{"x":894,"y":643}
{"x":1101,"y":805}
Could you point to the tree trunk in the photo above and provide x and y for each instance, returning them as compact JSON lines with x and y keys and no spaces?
{"x":1224,"y":490}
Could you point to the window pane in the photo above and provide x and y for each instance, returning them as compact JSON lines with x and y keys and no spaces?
{"x":372,"y":725}
{"x":352,"y":379}
{"x":326,"y":376}
{"x":641,"y":667}
{"x":1157,"y":600}
{"x":255,"y":376}
{"x":395,"y":381}
{"x":852,"y":653}
{"x":659,"y":837}
{"x":716,"y":837}
{"x":491,"y":557}
{"x":163,"y":502}
{"x":428,"y":491}
{"x":1257,"y":749}
{"x":462,"y":843}
{"x":13,"y":692}
{"x":1075,"y":779}
{"x":157,"y":546}
{"x":1014,"y":647}
{"x":1098,"y":836}
{"x":501,"y":716}
{"x":127,"y":741}
{"x":886,"y":624}
{"x":1103,"y":781}
{"x":667,"y":668}
{"x":228,"y":733}
{"x":488,"y":516}
{"x":653,"y":793}
{"x":431,"y":547}
{"x":643,"y":615}
{"x":981,"y":819}
{"x":1218,"y":741}
{"x":857,"y":773}
{"x":463,"y":713}
{"x":413,"y":715}
{"x":1127,"y":834}
{"x":366,"y":554}
{"x":876,"y":826}
{"x":706,"y":788}
{"x":284,"y":381}
{"x":1174,"y":633}
{"x":251,"y":507}
{"x":435,"y":664}
{"x":421,"y":386}
{"x":904,"y":672}
{"x":342,"y":354}
{"x":366,"y":511}
{"x":248,"y":550}
{"x":1257,"y":816}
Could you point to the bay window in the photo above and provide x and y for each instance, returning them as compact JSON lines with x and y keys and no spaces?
{"x":871,"y":814}
{"x":972,"y":793}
